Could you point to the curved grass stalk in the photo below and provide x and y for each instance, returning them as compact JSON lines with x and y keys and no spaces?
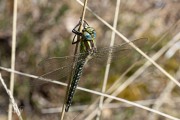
{"x":164,"y":95}
{"x":141,"y":70}
{"x":110,"y":90}
{"x":14,"y":105}
{"x":94,"y":92}
{"x":131,"y":103}
{"x":134,"y":46}
{"x":84,"y":107}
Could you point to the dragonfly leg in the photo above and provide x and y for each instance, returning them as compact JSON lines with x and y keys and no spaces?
{"x":74,"y":42}
{"x":85,"y":24}
{"x":76,"y":33}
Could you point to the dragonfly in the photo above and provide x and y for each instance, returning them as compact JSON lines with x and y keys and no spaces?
{"x":57,"y":68}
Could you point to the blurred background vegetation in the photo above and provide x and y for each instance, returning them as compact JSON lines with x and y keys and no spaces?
{"x":44,"y":30}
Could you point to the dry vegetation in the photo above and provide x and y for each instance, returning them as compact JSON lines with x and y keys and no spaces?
{"x":44,"y":30}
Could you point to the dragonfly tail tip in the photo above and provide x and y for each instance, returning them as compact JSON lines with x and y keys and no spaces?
{"x":67,"y":108}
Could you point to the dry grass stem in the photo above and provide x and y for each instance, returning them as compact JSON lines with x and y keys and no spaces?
{"x":140,"y":71}
{"x":108,"y":65}
{"x":75,"y":52}
{"x":97,"y":93}
{"x":14,"y":105}
{"x":164,"y":96}
{"x":13,"y":54}
{"x":134,"y":46}
{"x":44,"y":30}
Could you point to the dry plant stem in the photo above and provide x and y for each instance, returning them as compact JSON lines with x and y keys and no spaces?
{"x":116,"y":84}
{"x":146,"y":65}
{"x":164,"y":96}
{"x":56,"y":82}
{"x":166,"y":33}
{"x":131,"y":103}
{"x":134,"y":46}
{"x":110,"y":90}
{"x":16,"y":109}
{"x":109,"y":106}
{"x":13,"y":54}
{"x":108,"y":65}
{"x":75,"y":52}
{"x":140,"y":70}
{"x":33,"y":76}
{"x":137,"y":49}
{"x":89,"y":109}
{"x":93,"y":92}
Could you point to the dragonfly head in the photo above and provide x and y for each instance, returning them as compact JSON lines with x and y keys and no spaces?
{"x":89,"y":33}
{"x":89,"y":36}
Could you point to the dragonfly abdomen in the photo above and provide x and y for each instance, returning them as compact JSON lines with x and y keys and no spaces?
{"x":75,"y":80}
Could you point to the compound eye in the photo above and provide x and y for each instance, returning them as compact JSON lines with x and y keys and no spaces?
{"x":88,"y":36}
{"x":94,"y":34}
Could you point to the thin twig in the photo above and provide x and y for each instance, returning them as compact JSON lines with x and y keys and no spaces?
{"x":131,"y":103}
{"x":146,"y":65}
{"x":141,"y":70}
{"x":108,"y":65}
{"x":116,"y":84}
{"x":94,"y":92}
{"x":13,"y":54}
{"x":164,"y":96}
{"x":134,"y":46}
{"x":75,"y":52}
{"x":16,"y":109}
{"x":166,"y":33}
{"x":33,"y":76}
{"x":110,"y":90}
{"x":56,"y":82}
{"x":111,"y":106}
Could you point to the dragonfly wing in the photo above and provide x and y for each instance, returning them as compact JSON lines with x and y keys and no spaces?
{"x":117,"y":52}
{"x":54,"y":63}
{"x":58,"y":74}
{"x":57,"y":68}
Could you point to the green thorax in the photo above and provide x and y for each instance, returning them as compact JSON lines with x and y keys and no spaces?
{"x":88,"y":39}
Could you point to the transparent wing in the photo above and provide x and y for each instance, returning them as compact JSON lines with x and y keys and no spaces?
{"x":58,"y":74}
{"x":57,"y":68}
{"x":54,"y":63}
{"x":118,"y":52}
